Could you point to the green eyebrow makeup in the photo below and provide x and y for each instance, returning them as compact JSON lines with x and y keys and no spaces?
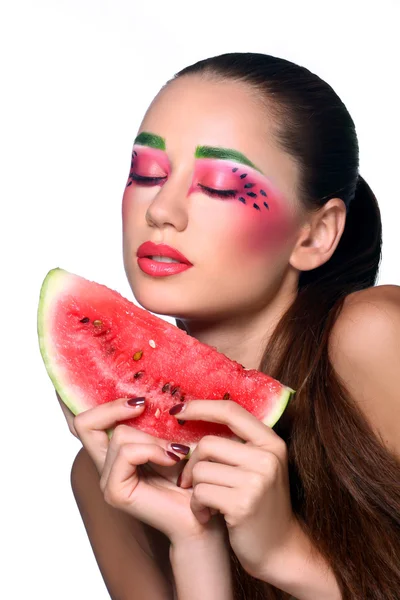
{"x":151,"y":140}
{"x":224,"y":154}
{"x":155,"y":141}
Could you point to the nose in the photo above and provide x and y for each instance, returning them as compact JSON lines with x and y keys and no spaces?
{"x":170,"y":205}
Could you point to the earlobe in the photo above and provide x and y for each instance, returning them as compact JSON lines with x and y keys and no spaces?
{"x":319,"y":238}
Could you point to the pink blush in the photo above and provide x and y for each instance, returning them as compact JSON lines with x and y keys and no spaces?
{"x":260,"y":213}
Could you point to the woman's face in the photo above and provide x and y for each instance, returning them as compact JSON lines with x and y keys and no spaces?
{"x":199,"y":136}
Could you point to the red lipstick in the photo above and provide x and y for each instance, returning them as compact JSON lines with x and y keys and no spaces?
{"x":160,"y":269}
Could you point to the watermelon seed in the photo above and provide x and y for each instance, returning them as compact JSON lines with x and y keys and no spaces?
{"x":182,"y":398}
{"x":166,"y":387}
{"x":158,"y":413}
{"x":235,"y":169}
{"x":138,"y":355}
{"x":243,"y":176}
{"x":174,"y":390}
{"x":227,"y":396}
{"x":138,"y":374}
{"x":152,"y":343}
{"x":84,"y":320}
{"x":256,"y":206}
{"x":263,"y":193}
{"x":97,"y":322}
{"x":252,"y":194}
{"x":181,"y":422}
{"x":242,"y":200}
{"x":249,"y":185}
{"x":266,"y":205}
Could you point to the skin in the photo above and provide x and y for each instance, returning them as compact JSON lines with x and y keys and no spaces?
{"x":252,"y":263}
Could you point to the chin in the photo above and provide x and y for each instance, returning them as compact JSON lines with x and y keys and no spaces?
{"x":156,"y":300}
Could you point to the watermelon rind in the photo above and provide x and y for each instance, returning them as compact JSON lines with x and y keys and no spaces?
{"x":54,"y":282}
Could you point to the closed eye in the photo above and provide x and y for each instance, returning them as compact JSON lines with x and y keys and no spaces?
{"x":142,"y":179}
{"x":220,"y":193}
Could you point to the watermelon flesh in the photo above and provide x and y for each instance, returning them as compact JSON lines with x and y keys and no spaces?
{"x":98,"y":346}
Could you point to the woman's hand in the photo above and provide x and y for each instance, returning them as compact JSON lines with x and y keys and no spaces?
{"x":145,"y":494}
{"x":247,"y":482}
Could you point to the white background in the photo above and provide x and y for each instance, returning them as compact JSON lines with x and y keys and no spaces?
{"x":76,"y":79}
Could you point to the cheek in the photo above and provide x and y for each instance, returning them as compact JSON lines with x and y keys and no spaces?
{"x":262,"y":230}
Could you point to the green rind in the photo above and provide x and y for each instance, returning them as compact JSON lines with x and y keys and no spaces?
{"x":52,"y":284}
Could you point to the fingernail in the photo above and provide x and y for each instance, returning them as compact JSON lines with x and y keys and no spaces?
{"x":172,"y":455}
{"x":180,"y":448}
{"x":136,"y":401}
{"x":177,"y":409}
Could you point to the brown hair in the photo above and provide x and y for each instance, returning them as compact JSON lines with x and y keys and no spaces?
{"x":345,"y":485}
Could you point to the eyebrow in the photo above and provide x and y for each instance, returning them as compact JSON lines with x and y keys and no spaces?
{"x":151,"y":140}
{"x":224,"y":154}
{"x":155,"y":141}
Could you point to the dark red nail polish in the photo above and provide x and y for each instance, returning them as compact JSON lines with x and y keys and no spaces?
{"x":172,"y":455}
{"x":180,"y":448}
{"x":136,"y":401}
{"x":176,"y":409}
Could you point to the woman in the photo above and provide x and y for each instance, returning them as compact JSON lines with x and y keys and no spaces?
{"x":281,"y":278}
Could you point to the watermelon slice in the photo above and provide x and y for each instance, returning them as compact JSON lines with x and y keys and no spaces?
{"x":97,"y":347}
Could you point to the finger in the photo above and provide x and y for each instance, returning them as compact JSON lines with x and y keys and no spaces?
{"x":125,"y":489}
{"x":227,"y":412}
{"x":207,"y":497}
{"x":91,"y":426}
{"x":124,"y":434}
{"x":228,"y":452}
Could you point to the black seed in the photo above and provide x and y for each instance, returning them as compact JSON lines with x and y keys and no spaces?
{"x":266,"y":205}
{"x":182,"y":398}
{"x":249,"y":185}
{"x":263,"y":193}
{"x":135,"y":153}
{"x":174,"y":390}
{"x":181,"y":422}
{"x":138,"y":374}
{"x":243,"y":176}
{"x":242,"y":200}
{"x":256,"y":206}
{"x":235,"y":169}
{"x":128,"y":184}
{"x":166,"y":387}
{"x":84,"y":320}
{"x":252,"y":194}
{"x":227,"y":396}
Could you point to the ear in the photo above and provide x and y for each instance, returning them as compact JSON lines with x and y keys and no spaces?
{"x":320,"y":236}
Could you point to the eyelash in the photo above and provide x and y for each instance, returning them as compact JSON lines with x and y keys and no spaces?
{"x":207,"y":190}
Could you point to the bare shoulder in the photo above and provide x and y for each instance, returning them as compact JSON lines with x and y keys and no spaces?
{"x":364,"y":349}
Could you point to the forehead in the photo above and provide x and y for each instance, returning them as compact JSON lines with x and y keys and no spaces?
{"x":192,"y":111}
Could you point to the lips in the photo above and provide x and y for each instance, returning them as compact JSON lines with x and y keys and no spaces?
{"x":151,"y":249}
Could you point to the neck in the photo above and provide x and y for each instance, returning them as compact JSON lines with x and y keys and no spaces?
{"x":242,"y":338}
